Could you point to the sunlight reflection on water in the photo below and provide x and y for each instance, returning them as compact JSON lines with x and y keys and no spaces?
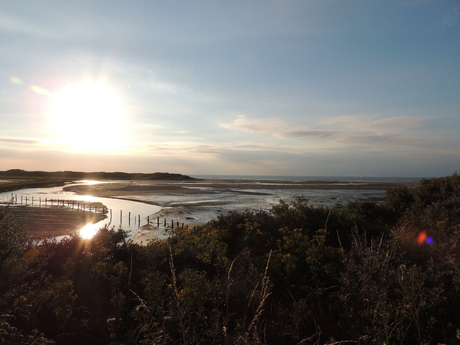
{"x":88,"y":198}
{"x":88,"y":231}
{"x":125,"y":214}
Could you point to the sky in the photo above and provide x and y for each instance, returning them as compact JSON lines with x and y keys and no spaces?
{"x":253,"y":87}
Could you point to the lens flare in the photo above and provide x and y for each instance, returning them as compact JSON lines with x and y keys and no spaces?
{"x":15,"y":80}
{"x":423,"y":237}
{"x":39,"y":90}
{"x":429,"y":240}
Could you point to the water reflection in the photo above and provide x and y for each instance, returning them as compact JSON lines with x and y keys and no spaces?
{"x":88,"y":198}
{"x":126,"y":214}
{"x":88,"y":231}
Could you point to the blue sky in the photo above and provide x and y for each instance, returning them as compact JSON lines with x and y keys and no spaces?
{"x":291,"y":87}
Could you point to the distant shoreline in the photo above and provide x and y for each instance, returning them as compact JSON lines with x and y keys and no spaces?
{"x":100,"y":175}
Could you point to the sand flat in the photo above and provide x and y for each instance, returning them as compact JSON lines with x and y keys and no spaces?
{"x":199,"y":186}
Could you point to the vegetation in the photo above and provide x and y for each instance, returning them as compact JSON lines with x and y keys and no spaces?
{"x":35,"y":179}
{"x":366,"y":273}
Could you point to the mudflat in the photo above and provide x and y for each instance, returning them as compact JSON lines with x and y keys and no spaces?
{"x":121,"y":189}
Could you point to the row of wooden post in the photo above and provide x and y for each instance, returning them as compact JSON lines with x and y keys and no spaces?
{"x":164,"y":222}
{"x":148,"y":220}
{"x":70,"y":203}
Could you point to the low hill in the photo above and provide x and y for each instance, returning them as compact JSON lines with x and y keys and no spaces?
{"x":69,"y":175}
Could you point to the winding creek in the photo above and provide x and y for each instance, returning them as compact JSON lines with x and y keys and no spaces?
{"x":125,"y":213}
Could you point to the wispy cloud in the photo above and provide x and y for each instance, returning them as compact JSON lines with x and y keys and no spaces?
{"x":452,"y":19}
{"x":345,"y":132}
{"x":242,"y":123}
{"x":276,"y":127}
{"x":19,"y":141}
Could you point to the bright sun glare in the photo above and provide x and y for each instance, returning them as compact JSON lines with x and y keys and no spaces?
{"x":88,"y":116}
{"x":88,"y":231}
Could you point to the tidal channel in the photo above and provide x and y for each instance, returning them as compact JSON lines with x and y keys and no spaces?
{"x":126,"y":214}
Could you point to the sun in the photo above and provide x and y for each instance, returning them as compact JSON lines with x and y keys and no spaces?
{"x":88,"y":116}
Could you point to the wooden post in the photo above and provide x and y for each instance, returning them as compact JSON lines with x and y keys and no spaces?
{"x":172,"y":224}
{"x":165,"y":222}
{"x":148,"y":219}
{"x":158,"y":221}
{"x":139,"y":220}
